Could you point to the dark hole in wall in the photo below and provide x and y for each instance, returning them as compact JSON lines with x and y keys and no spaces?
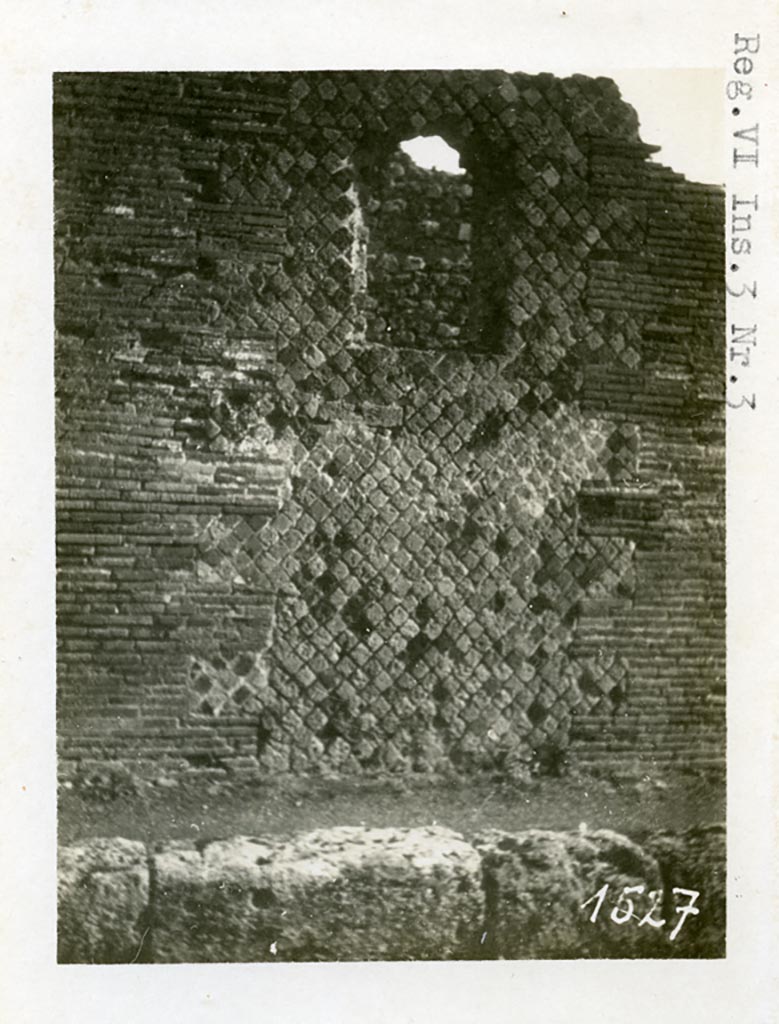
{"x":540,"y":604}
{"x":423,"y":613}
{"x":159,"y":337}
{"x":587,"y":684}
{"x":470,"y":530}
{"x":264,"y":736}
{"x":440,"y":692}
{"x":354,"y":616}
{"x":205,"y":761}
{"x":344,"y":538}
{"x":551,"y":758}
{"x":330,"y":731}
{"x":502,"y":545}
{"x":537,"y":712}
{"x":243,"y":664}
{"x":278,"y":420}
{"x":207,"y":180}
{"x":76,"y":329}
{"x":327,"y":582}
{"x":487,"y":433}
{"x":263,"y":899}
{"x":206,"y":268}
{"x":416,"y":649}
{"x":617,"y":697}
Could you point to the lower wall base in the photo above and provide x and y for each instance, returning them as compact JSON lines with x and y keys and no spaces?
{"x":355,"y":894}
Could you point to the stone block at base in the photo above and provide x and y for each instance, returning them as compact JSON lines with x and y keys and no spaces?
{"x":103,"y":895}
{"x":537,"y":881}
{"x":695,"y":861}
{"x":337,"y":894}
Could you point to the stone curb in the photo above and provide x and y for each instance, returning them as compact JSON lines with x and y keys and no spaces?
{"x":351,"y":894}
{"x":103,"y":899}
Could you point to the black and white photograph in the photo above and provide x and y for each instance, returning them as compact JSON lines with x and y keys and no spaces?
{"x":397,"y":410}
{"x":390,"y":521}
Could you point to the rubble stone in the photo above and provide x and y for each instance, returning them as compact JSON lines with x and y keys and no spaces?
{"x":540,"y":886}
{"x":695,"y":861}
{"x":103,"y":894}
{"x":338,"y":894}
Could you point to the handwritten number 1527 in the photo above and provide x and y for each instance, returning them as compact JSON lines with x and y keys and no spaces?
{"x":624,"y":908}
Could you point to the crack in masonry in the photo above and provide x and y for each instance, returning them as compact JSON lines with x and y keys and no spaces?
{"x":666,"y":903}
{"x":146,"y":920}
{"x":140,"y":947}
{"x":487,"y":947}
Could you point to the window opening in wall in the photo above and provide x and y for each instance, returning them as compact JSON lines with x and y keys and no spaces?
{"x":414,"y":271}
{"x":432,"y":153}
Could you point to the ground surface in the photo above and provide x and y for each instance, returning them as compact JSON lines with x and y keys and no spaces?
{"x":200,"y":809}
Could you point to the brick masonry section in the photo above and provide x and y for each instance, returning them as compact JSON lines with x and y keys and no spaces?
{"x":367,"y":468}
{"x":393,"y":894}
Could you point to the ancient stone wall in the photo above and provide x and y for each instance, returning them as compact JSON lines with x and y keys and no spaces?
{"x":363,"y":467}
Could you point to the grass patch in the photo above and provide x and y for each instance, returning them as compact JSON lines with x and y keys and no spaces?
{"x":197,"y":809}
